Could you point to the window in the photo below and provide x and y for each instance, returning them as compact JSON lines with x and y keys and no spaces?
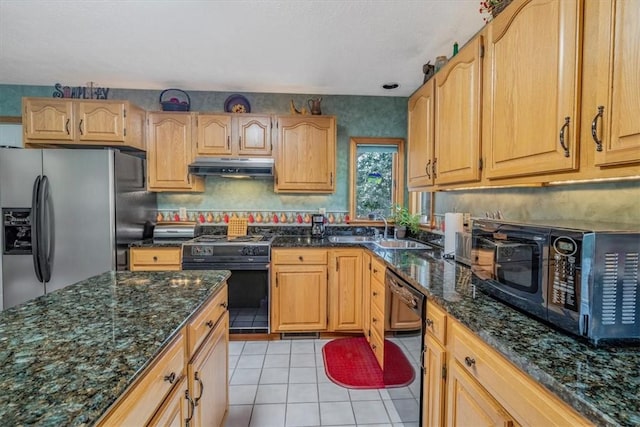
{"x":376,"y":176}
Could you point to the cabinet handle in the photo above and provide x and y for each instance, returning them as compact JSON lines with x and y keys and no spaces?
{"x":426,"y":169}
{"x":429,"y":322}
{"x":170,"y":378}
{"x":563,"y":129}
{"x":66,"y":127}
{"x":594,"y":128}
{"x":424,"y":368}
{"x":80,"y":126}
{"x":197,"y":378}
{"x":240,"y":141}
{"x":469,"y":361}
{"x":224,"y":305}
{"x":192,"y":406}
{"x":209,"y":323}
{"x":434,"y":170}
{"x":331,"y":180}
{"x":228,"y":141}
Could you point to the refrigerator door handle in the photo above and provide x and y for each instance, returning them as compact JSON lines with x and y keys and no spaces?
{"x":35,"y":231}
{"x":46,"y":230}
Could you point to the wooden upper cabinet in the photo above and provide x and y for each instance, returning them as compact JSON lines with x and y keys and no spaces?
{"x":101,"y":121}
{"x":305,"y":154}
{"x":214,"y":135}
{"x":170,"y":152}
{"x":83,"y":122}
{"x":234,"y":135}
{"x":46,"y":119}
{"x":531,"y":104}
{"x":458,"y":105}
{"x":617,"y":128}
{"x":420,"y":137}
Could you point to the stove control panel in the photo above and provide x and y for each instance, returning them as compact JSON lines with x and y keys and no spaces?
{"x":201,"y":250}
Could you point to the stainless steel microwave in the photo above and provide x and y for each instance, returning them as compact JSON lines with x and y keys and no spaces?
{"x":582,"y":278}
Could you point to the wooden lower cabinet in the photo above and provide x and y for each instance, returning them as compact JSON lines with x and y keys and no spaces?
{"x":470,"y":405}
{"x":173,"y":411}
{"x":299,"y":281}
{"x":155,"y":259}
{"x":434,"y":384}
{"x":345,"y":290}
{"x":366,"y":293}
{"x":207,"y":373}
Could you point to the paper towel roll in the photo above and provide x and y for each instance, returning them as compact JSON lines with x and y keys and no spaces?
{"x":453,"y":222}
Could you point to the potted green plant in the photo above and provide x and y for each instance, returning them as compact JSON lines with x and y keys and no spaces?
{"x":405,"y":219}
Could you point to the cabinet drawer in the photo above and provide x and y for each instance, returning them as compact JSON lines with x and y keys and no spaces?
{"x":141,"y":401}
{"x":299,"y":256}
{"x":377,"y":269}
{"x":377,"y":294}
{"x":377,"y":321}
{"x":377,"y":346}
{"x":155,"y":256}
{"x":524,"y":398}
{"x":436,"y":322}
{"x":206,"y":320}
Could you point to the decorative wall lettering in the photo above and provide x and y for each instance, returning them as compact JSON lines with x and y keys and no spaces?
{"x":80,"y":92}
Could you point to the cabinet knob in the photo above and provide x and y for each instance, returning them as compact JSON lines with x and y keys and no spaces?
{"x":170,"y":378}
{"x":224,"y":305}
{"x":375,"y":294}
{"x":209,"y":323}
{"x":155,"y":259}
{"x":374,"y":347}
{"x":374,"y":320}
{"x":375,"y":271}
{"x":469,"y":361}
{"x":301,"y":258}
{"x":429,"y":322}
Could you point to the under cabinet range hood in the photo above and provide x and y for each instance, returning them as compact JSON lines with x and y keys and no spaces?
{"x":248,"y":167}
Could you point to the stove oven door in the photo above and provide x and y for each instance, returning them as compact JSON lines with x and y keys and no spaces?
{"x":248,"y":289}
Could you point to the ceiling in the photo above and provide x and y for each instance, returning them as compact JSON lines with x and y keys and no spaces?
{"x":339,"y":47}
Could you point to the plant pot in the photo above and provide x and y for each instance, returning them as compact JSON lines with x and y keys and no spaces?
{"x":400,"y":231}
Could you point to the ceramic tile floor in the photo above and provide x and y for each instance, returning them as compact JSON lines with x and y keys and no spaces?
{"x":283,"y":383}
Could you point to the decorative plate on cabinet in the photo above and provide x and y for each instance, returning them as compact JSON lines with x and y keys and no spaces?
{"x":237,"y":104}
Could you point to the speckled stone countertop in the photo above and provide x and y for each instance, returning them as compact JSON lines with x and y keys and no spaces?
{"x":157,"y":243}
{"x":602,"y":384}
{"x":65,"y":357}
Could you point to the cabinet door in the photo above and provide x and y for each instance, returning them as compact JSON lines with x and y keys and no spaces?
{"x":254,"y":135}
{"x":169,"y":152}
{"x":173,"y":411}
{"x":618,"y":128}
{"x":345,"y":290}
{"x":306,"y":155}
{"x":366,"y":293}
{"x":433,"y":385}
{"x":531,"y":104}
{"x":457,"y":117}
{"x":208,"y":373}
{"x":48,"y":119}
{"x":470,"y":405}
{"x":299,"y":298}
{"x":214,"y":135}
{"x":420,"y":137}
{"x":100,"y":121}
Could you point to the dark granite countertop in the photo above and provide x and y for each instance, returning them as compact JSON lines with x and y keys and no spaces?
{"x":65,"y":357}
{"x":602,"y":384}
{"x":157,"y":243}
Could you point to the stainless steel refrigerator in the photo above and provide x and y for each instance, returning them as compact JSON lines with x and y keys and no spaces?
{"x":67,"y":215}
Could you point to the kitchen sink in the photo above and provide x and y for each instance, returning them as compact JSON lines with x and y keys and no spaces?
{"x":401,"y":244}
{"x":351,"y":239}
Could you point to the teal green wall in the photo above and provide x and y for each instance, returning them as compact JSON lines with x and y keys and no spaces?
{"x":364,"y":116}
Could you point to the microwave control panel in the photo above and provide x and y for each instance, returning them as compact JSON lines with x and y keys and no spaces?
{"x":564,"y":271}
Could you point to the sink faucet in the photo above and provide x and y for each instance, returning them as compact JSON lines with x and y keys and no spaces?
{"x":379,"y":216}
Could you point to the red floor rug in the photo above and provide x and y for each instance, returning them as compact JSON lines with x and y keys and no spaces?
{"x":349,"y":362}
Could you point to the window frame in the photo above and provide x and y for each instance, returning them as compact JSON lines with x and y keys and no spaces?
{"x":398,"y":175}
